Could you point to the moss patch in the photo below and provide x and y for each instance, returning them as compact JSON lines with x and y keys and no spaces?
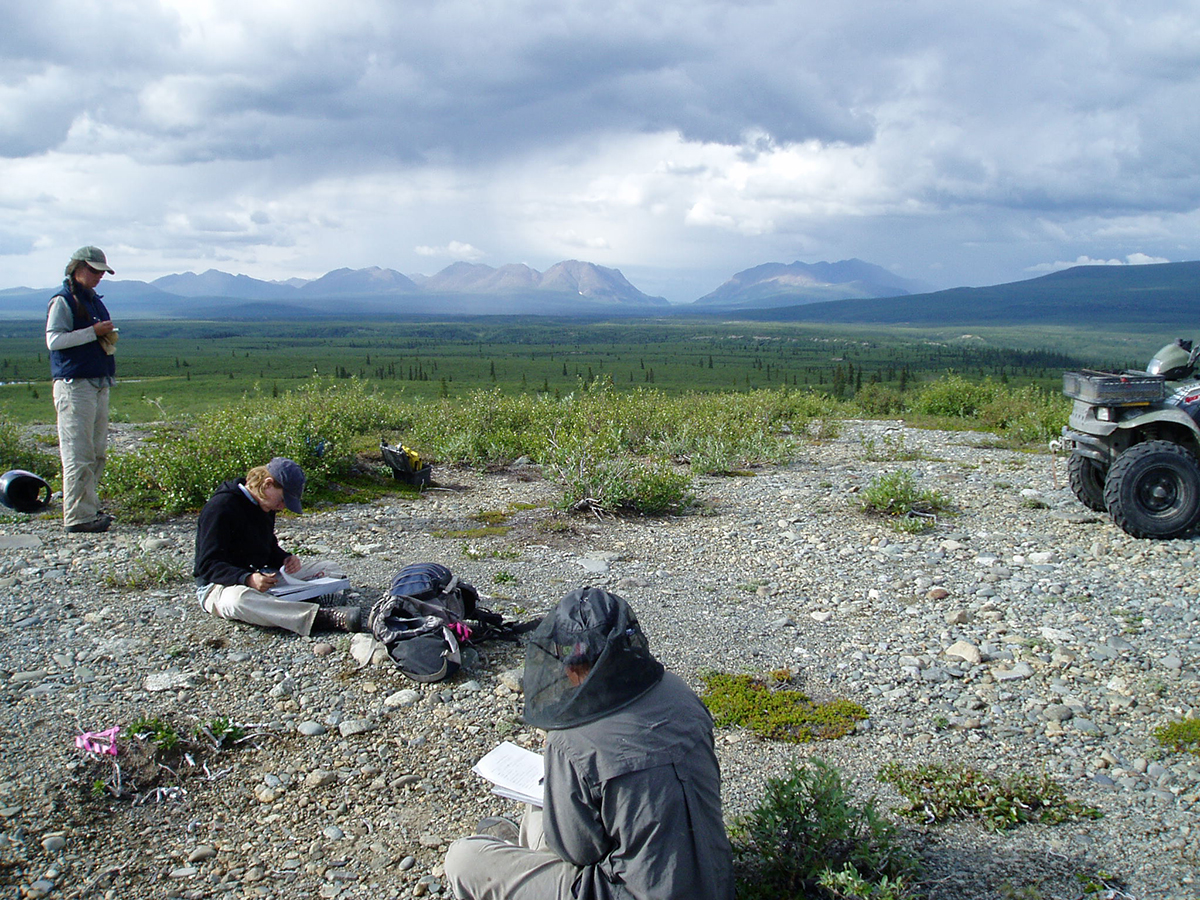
{"x":472,"y":533}
{"x":772,"y":709}
{"x":1182,"y":737}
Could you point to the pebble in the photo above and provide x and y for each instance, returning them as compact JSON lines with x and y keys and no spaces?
{"x":201,"y":853}
{"x":52,"y":843}
{"x":319,"y":778}
{"x":401,"y":699}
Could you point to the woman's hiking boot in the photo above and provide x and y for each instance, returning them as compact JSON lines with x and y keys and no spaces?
{"x":338,"y":618}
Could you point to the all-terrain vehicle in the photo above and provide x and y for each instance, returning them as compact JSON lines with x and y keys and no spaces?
{"x":1135,"y":443}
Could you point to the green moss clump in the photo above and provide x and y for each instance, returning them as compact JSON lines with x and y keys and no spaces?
{"x":491,"y":516}
{"x":774,"y":711}
{"x":473,"y":533}
{"x":1182,"y":737}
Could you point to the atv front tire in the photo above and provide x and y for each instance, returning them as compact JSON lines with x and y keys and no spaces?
{"x":1087,"y":481}
{"x":1153,"y":490}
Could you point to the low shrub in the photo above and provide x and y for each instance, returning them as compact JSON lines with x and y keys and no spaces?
{"x":184,"y":462}
{"x":1027,"y":415}
{"x":953,"y":397}
{"x":880,"y":400}
{"x":18,"y":452}
{"x":1022,"y":415}
{"x":1182,"y":737}
{"x":897,"y":495}
{"x":807,"y":837}
{"x":641,"y":487}
{"x":937,"y":793}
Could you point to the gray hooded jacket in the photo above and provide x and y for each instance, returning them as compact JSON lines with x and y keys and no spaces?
{"x":634,"y":799}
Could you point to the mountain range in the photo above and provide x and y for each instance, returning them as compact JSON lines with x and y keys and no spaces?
{"x":849,"y":291}
{"x":1149,"y":296}
{"x":776,"y":284}
{"x":565,"y":289}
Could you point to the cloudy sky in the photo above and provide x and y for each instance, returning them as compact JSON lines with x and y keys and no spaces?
{"x":677,"y":140}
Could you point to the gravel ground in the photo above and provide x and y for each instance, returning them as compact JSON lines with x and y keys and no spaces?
{"x":1070,"y":643}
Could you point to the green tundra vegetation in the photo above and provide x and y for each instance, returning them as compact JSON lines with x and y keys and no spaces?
{"x":622,"y":413}
{"x":169,"y":368}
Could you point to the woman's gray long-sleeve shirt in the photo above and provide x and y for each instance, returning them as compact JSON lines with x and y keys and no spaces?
{"x":634,"y":799}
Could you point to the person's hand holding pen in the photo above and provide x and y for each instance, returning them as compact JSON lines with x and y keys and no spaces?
{"x":262,"y":580}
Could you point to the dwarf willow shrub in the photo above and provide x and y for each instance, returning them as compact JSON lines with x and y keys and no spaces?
{"x":807,"y":831}
{"x":937,"y":793}
{"x":953,"y":397}
{"x":1181,"y":736}
{"x":908,"y":506}
{"x":315,"y":425}
{"x":17,"y":452}
{"x":1026,"y":415}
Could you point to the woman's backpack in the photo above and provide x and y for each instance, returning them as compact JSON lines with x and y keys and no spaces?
{"x":425,"y":617}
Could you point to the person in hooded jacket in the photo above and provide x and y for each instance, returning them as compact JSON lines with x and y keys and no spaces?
{"x":632,"y":784}
{"x":81,"y":338}
{"x":238,"y":555}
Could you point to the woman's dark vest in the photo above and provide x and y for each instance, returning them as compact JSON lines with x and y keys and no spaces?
{"x":87,"y":360}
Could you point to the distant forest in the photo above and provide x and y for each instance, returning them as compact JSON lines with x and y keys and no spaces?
{"x":176,"y":367}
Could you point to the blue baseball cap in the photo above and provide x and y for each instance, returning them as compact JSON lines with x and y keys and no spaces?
{"x":290,"y":477}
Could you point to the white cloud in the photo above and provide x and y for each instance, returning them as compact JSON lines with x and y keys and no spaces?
{"x":453,"y":250}
{"x":1133,"y":259}
{"x":289,"y":137}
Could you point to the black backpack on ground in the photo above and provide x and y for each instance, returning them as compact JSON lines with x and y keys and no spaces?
{"x":425,"y":617}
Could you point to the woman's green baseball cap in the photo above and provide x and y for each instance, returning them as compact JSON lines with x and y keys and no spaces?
{"x":92,"y":257}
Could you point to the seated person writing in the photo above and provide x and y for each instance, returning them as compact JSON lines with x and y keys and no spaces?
{"x":238,"y":556}
{"x":632,"y":785}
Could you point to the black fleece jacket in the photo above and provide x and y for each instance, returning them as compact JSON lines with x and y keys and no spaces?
{"x":234,"y":537}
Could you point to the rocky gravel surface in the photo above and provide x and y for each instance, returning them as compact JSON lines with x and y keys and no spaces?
{"x":1021,"y":634}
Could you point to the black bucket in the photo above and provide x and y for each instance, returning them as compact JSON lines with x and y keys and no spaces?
{"x":24,"y":491}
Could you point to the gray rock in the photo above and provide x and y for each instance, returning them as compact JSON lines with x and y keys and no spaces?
{"x":20,"y":541}
{"x":170,"y":681}
{"x":52,"y":843}
{"x":311,"y":729}
{"x":351,"y":727}
{"x":402,"y":699}
{"x":1018,"y":672}
{"x":1058,"y":712}
{"x":319,"y":778}
{"x":965,"y":651}
{"x":201,"y":853}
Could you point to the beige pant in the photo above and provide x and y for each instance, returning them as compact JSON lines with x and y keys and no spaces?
{"x":248,"y":605}
{"x":82,"y":410}
{"x":487,"y":868}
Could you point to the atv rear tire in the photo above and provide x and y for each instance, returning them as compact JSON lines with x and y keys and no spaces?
{"x":1153,"y":490}
{"x":1087,"y":481}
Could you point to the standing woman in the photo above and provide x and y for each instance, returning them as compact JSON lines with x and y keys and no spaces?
{"x":81,"y":338}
